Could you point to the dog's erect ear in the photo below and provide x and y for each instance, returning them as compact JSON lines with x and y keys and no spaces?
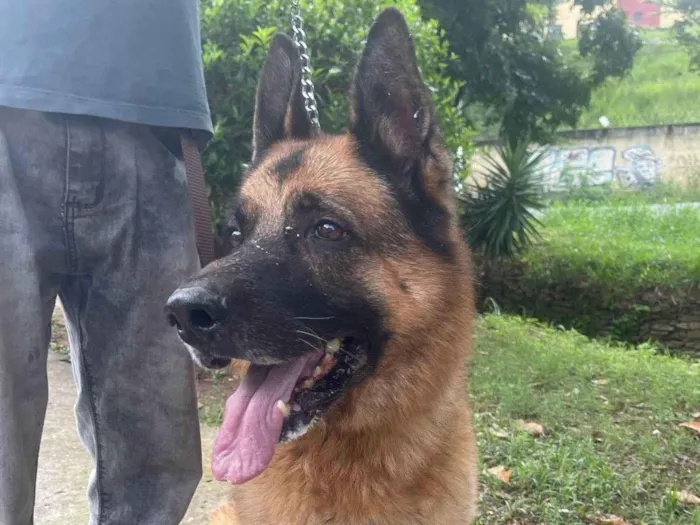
{"x":279,"y":105}
{"x":392,"y":112}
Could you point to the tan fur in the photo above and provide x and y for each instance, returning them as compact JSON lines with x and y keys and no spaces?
{"x":399,"y":449}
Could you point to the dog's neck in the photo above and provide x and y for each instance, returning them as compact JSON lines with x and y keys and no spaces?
{"x":393,"y":471}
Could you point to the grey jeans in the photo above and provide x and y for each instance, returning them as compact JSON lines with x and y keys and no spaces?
{"x":96,"y":212}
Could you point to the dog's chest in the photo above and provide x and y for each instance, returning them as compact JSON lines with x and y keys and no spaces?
{"x":299,"y":509}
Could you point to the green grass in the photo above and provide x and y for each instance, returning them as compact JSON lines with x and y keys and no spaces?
{"x":663,"y":192}
{"x":660,"y":89}
{"x":622,"y":246}
{"x":611,"y":440}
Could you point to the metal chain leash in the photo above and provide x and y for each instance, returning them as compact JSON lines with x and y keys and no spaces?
{"x":307,"y":85}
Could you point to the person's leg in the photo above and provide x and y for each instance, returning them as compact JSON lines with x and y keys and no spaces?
{"x":32,"y":257}
{"x":130,"y":241}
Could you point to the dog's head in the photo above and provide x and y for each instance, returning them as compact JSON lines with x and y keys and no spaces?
{"x":342,"y":253}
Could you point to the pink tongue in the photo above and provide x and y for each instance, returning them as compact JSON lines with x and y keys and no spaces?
{"x":252,"y":422}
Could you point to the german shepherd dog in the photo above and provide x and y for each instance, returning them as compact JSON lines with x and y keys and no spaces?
{"x":348,"y":292}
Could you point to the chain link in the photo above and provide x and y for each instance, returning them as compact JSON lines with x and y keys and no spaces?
{"x":307,"y":85}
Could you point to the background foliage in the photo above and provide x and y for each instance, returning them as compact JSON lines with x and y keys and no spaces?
{"x":236,"y":35}
{"x":660,"y":88}
{"x":485,"y":62}
{"x":513,"y":75}
{"x":687,"y":29}
{"x":498,"y":216}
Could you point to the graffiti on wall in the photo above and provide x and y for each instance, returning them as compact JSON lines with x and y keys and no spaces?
{"x":564,"y":168}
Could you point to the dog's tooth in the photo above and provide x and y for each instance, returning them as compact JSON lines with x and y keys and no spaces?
{"x":296,"y":407}
{"x":333,"y":346}
{"x":283,"y":407}
{"x":318,"y":372}
{"x":308,"y":383}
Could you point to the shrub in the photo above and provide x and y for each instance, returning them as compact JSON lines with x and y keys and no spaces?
{"x":235,"y":38}
{"x":498,"y":216}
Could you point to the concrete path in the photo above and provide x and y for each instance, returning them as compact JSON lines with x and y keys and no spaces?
{"x":64,"y":466}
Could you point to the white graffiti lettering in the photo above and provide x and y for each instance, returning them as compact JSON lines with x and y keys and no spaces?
{"x":564,"y":168}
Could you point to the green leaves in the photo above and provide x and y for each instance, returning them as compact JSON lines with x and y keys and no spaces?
{"x":261,"y":37}
{"x":687,"y":29}
{"x":498,"y":216}
{"x":235,"y":38}
{"x":515,"y":77}
{"x":611,"y":46}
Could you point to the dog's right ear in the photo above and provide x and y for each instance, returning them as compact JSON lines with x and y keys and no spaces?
{"x":392,"y":114}
{"x":279,"y":106}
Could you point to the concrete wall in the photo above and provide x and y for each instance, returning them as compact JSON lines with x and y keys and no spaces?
{"x":630,"y":157}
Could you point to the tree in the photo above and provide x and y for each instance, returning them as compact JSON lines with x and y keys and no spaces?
{"x":687,"y":29}
{"x":520,"y":78}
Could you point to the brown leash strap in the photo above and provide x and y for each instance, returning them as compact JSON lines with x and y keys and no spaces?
{"x":199,"y":202}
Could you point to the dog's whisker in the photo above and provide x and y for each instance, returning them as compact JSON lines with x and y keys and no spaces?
{"x":315,"y":318}
{"x":311,"y":334}
{"x":353,"y":359}
{"x":308,"y":343}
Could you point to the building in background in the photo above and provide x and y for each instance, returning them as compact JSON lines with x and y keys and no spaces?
{"x":646,"y":14}
{"x":642,"y":13}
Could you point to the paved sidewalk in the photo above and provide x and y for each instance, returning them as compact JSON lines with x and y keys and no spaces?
{"x":64,"y":466}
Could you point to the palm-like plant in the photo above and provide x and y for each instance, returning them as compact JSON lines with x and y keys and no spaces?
{"x":498,"y":216}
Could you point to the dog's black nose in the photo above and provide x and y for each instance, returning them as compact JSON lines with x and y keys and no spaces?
{"x":196,"y":312}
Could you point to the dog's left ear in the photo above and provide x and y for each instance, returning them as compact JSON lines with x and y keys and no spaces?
{"x":392,"y":114}
{"x":279,"y":106}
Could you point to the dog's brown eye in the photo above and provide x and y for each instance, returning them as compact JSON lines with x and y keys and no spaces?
{"x":330,"y":231}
